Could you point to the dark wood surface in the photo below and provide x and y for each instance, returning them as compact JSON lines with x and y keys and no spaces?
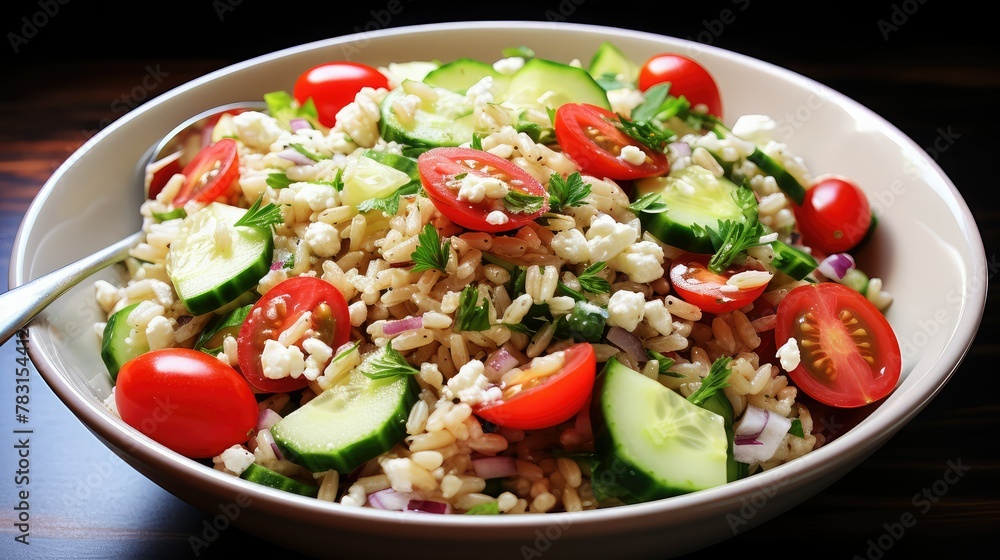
{"x":927,"y":67}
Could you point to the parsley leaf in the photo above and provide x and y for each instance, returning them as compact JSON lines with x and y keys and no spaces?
{"x":650,"y":203}
{"x":731,"y":238}
{"x":261,"y":217}
{"x":593,"y":283}
{"x":278,"y":180}
{"x":518,"y":202}
{"x":283,"y":107}
{"x":796,"y":428}
{"x":609,"y":81}
{"x":306,"y":152}
{"x":567,"y":192}
{"x":717,"y":378}
{"x":477,"y":141}
{"x":519,"y":328}
{"x":386,"y":362}
{"x":663,"y":363}
{"x":430,"y":254}
{"x":485,"y":508}
{"x":470,"y":316}
{"x":389,"y":204}
{"x":650,"y":134}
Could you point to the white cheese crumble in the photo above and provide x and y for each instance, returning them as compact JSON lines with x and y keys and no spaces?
{"x":789,"y":355}
{"x":257,"y":130}
{"x":475,"y":188}
{"x":497,"y":218}
{"x":633,"y":155}
{"x":509,"y":65}
{"x":606,"y":238}
{"x":758,"y":129}
{"x":571,"y":246}
{"x":471,"y":386}
{"x":236,"y":459}
{"x":625,"y":309}
{"x":323,"y":239}
{"x":319,"y":353}
{"x":642,"y":261}
{"x":279,"y":361}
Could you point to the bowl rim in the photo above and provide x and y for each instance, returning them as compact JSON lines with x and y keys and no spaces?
{"x":855,"y":444}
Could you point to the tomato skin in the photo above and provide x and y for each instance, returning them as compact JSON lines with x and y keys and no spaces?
{"x":577,"y":125}
{"x":697,"y":285}
{"x":834,"y":216}
{"x":687,"y":77}
{"x":186,"y":400}
{"x":287,"y":301}
{"x":439,"y":166}
{"x":555,"y":400}
{"x":857,"y":375}
{"x":212,"y":175}
{"x":332,"y":85}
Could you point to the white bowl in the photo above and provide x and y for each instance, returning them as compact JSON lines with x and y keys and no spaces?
{"x":927,"y":249}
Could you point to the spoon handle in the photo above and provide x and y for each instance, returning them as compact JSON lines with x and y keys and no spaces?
{"x":27,"y":300}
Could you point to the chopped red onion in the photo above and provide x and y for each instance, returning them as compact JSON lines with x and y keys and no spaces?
{"x":277,"y":265}
{"x":629,"y":343}
{"x":428,"y":506}
{"x":389,"y":499}
{"x":680,"y":148}
{"x":295,"y":157}
{"x":264,"y":436}
{"x":494,"y":467}
{"x":299,"y":124}
{"x":758,"y":435}
{"x":498,"y":363}
{"x":836,"y":265}
{"x":267,"y":418}
{"x":402,"y":325}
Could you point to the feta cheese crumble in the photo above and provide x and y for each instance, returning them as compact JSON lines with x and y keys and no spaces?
{"x":789,"y":355}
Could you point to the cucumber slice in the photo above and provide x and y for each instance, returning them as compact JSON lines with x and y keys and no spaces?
{"x":652,"y":443}
{"x":416,"y":70}
{"x":368,"y":179}
{"x":545,"y":84}
{"x":693,"y":196}
{"x":459,"y":75}
{"x":447,"y":121}
{"x":352,"y":422}
{"x":267,"y":477}
{"x":786,"y":182}
{"x":719,"y":404}
{"x":117,"y":346}
{"x":210,"y":340}
{"x":207,"y":277}
{"x":793,"y":262}
{"x":610,"y":63}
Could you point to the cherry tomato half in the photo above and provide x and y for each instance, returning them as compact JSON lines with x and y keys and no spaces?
{"x":834,"y":216}
{"x":444,"y":170}
{"x":849,"y":353}
{"x":186,"y":400}
{"x":589,"y":136}
{"x":212,"y":175}
{"x":540,"y":397}
{"x":333,"y":85}
{"x":697,"y":285}
{"x":277,"y":310}
{"x":686,"y":76}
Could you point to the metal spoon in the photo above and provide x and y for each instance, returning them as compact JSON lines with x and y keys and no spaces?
{"x":27,"y":300}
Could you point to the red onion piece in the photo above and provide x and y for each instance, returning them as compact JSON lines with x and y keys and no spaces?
{"x":680,"y":148}
{"x":756,"y":442}
{"x":402,"y":325}
{"x":498,"y":363}
{"x":295,"y":157}
{"x":494,"y":467}
{"x":389,"y":499}
{"x":277,"y":265}
{"x":629,"y":343}
{"x":267,"y":418}
{"x":265,"y":437}
{"x":428,"y":506}
{"x":299,"y":124}
{"x":836,"y":265}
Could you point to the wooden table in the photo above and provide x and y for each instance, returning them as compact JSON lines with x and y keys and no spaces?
{"x":930,"y":74}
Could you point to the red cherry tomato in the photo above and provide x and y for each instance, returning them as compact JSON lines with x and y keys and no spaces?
{"x":186,"y":400}
{"x":159,"y":172}
{"x":589,"y":136}
{"x":277,"y":310}
{"x":442,"y":171}
{"x":697,"y":285}
{"x":333,"y":85}
{"x":686,"y":76}
{"x":849,"y":353}
{"x":834,"y":216}
{"x":212,"y":175}
{"x":546,"y":399}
